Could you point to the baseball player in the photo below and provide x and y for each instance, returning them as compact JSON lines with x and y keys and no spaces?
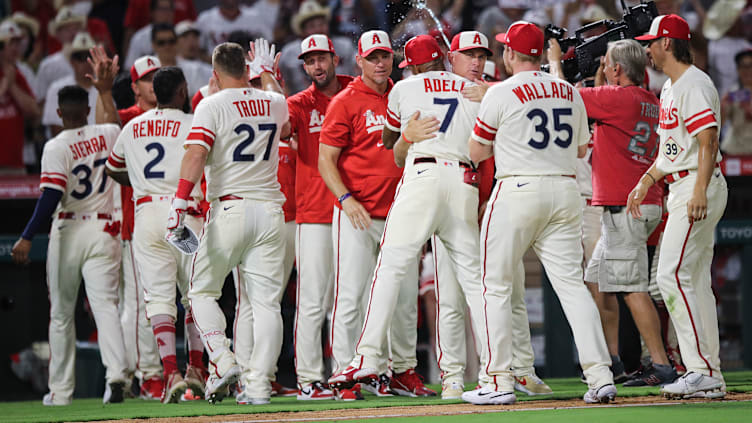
{"x":77,"y":194}
{"x":140,"y":345}
{"x":314,"y":254}
{"x":141,"y":158}
{"x":624,"y":146}
{"x":688,"y":160}
{"x":235,"y":137}
{"x":535,"y":126}
{"x":362,"y":175}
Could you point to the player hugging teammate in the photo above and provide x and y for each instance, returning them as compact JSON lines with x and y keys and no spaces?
{"x":364,"y":214}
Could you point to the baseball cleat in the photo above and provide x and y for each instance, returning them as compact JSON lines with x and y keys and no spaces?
{"x":487,"y":396}
{"x":410,"y":384}
{"x":532,"y":385}
{"x":50,"y":399}
{"x":218,"y":387}
{"x":151,"y":389}
{"x":195,"y":378}
{"x":314,"y":391}
{"x":602,"y":395}
{"x":278,"y":390}
{"x":347,"y":394}
{"x":352,"y":375}
{"x":656,"y":375}
{"x":174,"y":388}
{"x":379,"y":387}
{"x":694,"y":385}
{"x":113,"y":393}
{"x":451,"y":390}
{"x":244,"y":398}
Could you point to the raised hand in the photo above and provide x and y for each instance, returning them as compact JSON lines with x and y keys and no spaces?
{"x":105,"y":69}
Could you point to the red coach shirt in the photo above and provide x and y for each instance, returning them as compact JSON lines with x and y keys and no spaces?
{"x":307,"y":109}
{"x":12,"y":125}
{"x":625,"y":141}
{"x":354,"y":122}
{"x":126,"y":193}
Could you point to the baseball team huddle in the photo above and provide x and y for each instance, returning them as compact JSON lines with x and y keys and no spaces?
{"x":348,"y":181}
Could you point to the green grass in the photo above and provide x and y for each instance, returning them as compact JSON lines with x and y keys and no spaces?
{"x":93,"y":409}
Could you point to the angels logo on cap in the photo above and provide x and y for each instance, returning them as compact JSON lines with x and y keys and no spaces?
{"x":143,"y":66}
{"x":669,"y":26}
{"x":316,"y":42}
{"x":523,"y":37}
{"x":468,"y":40}
{"x":374,"y":40}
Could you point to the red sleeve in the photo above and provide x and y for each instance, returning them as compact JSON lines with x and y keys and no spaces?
{"x":598,"y":101}
{"x":337,"y":125}
{"x":196,"y":99}
{"x":137,"y":15}
{"x":294,"y":111}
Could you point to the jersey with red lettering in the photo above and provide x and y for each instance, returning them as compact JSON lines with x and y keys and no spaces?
{"x":687,"y":107}
{"x":438,"y":94}
{"x":240,"y":127}
{"x":537,"y":122}
{"x":73,"y":162}
{"x":149,"y":148}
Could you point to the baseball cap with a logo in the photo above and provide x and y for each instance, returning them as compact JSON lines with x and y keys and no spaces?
{"x":316,"y":42}
{"x":468,"y":40}
{"x":669,"y":26}
{"x":9,"y":30}
{"x":374,"y":40}
{"x":523,"y":37}
{"x":143,"y":66}
{"x":421,"y":49}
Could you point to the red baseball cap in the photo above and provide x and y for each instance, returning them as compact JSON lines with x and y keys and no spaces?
{"x":468,"y":40}
{"x":421,"y":49}
{"x":144,"y":65}
{"x":316,"y":42}
{"x":669,"y":26}
{"x":374,"y":40}
{"x":523,"y":37}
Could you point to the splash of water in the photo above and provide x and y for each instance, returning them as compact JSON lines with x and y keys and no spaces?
{"x":421,"y":4}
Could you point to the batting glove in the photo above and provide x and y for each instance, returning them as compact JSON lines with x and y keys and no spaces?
{"x":263,"y":56}
{"x":175,"y":224}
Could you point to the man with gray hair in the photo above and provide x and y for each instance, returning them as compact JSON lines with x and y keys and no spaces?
{"x":625,"y":142}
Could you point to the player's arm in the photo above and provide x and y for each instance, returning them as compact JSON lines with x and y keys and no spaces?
{"x":554,"y":58}
{"x":582,"y":151}
{"x":105,"y":71}
{"x":479,"y":151}
{"x":46,"y":205}
{"x":119,"y":177}
{"x":265,"y":63}
{"x":328,"y":158}
{"x":20,"y":94}
{"x":697,"y":206}
{"x":635,"y":198}
{"x":389,"y":137}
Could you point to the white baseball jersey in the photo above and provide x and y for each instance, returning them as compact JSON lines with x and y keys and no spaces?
{"x":150,"y":148}
{"x":436,"y":93}
{"x":545,"y":140}
{"x":74,"y":162}
{"x":687,"y":107}
{"x":240,"y":127}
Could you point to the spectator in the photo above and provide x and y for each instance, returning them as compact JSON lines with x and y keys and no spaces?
{"x":218,"y":22}
{"x":16,"y":100}
{"x":164,"y":43}
{"x":351,"y":16}
{"x":30,"y":47}
{"x":724,"y":28}
{"x":137,"y":16}
{"x":94,"y":26}
{"x":497,"y":18}
{"x":77,"y":54}
{"x":55,"y":66}
{"x":736,"y":109}
{"x":418,"y":21}
{"x":162,"y":12}
{"x":189,"y":47}
{"x":311,"y":19}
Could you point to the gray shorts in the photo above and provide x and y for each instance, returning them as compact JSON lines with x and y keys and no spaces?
{"x":620,"y":260}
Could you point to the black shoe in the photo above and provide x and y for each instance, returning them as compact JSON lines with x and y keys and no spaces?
{"x":617,"y":369}
{"x":655,"y":375}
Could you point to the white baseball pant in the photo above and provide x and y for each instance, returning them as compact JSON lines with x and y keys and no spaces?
{"x":242,"y":331}
{"x":80,"y":248}
{"x":313,"y":251}
{"x":543,"y":212}
{"x":684,"y":273}
{"x":141,"y":351}
{"x":248,"y":234}
{"x":355,"y":253}
{"x":431,"y":199}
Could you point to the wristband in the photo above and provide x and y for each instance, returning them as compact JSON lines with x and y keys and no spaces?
{"x":344,"y":197}
{"x":651,"y":177}
{"x":406,"y":140}
{"x":184,"y":189}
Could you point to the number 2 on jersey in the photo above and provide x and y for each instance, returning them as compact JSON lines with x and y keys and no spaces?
{"x":148,"y":172}
{"x":452,"y":103}
{"x":542,"y":128}
{"x":238,"y":154}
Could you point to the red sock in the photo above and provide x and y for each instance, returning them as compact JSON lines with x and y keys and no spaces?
{"x":195,"y":347}
{"x":163,"y":326}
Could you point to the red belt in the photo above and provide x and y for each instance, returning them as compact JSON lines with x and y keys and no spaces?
{"x":433,"y":160}
{"x":673,"y":177}
{"x":149,"y":199}
{"x":589,"y":201}
{"x":229,"y":197}
{"x":84,"y":216}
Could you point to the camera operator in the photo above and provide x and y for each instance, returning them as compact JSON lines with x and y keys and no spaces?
{"x":624,"y":147}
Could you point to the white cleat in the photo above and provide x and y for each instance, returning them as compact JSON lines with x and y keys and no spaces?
{"x":602,"y":395}
{"x":694,"y":385}
{"x":244,"y":398}
{"x":486,"y":396}
{"x":452,"y":390}
{"x":50,"y":399}
{"x":217,"y":387}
